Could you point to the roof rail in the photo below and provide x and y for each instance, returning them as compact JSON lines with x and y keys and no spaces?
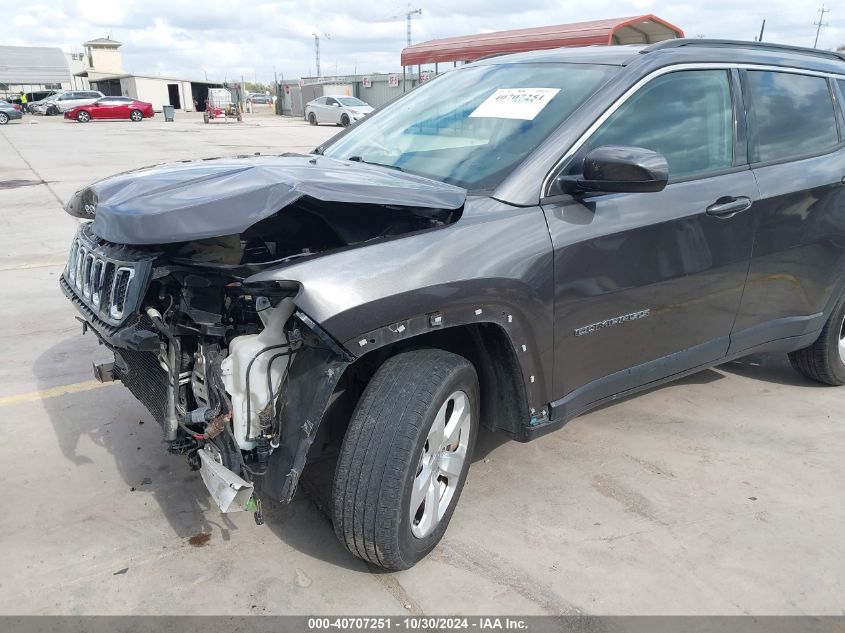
{"x":678,"y":43}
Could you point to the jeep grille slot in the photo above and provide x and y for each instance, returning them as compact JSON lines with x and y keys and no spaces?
{"x":102,"y":283}
{"x":120,"y":286}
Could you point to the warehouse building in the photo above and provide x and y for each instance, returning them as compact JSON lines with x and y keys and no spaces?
{"x":103,"y":71}
{"x":99,"y":66}
{"x":32,"y":68}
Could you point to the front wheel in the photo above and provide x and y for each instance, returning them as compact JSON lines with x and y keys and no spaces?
{"x":83,"y":116}
{"x":824,"y":360}
{"x":344,"y":120}
{"x":405,"y":457}
{"x":136,"y":115}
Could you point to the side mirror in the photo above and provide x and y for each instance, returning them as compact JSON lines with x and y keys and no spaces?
{"x":619,"y":169}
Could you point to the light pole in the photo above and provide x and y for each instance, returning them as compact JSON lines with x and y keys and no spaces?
{"x":408,"y":19}
{"x":820,"y":24}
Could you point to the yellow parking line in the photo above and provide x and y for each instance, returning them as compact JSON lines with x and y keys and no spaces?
{"x":52,"y":392}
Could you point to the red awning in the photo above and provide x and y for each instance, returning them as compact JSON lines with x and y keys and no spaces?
{"x":643,"y":29}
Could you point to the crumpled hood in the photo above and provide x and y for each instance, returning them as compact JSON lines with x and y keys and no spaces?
{"x":179,"y":202}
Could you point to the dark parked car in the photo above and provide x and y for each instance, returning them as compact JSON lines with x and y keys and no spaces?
{"x":259,"y":98}
{"x":8,"y":112}
{"x":512,"y":244}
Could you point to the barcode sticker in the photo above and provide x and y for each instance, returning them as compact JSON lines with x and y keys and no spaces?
{"x":515,"y":103}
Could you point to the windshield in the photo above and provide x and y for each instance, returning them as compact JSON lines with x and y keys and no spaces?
{"x":351,"y":101}
{"x":471,"y":127}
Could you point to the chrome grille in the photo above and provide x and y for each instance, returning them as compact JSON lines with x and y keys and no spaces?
{"x":99,"y":281}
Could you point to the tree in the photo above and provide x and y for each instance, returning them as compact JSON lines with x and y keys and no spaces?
{"x":256,"y":87}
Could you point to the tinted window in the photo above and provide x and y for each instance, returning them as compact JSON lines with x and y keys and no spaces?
{"x":794,"y":114}
{"x":686,"y":116}
{"x":321,"y":101}
{"x":330,"y":101}
{"x":91,"y":95}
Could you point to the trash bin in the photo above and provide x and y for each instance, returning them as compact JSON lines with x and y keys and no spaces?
{"x":168,"y":112}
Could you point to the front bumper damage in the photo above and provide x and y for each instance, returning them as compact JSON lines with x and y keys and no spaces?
{"x":146,"y":361}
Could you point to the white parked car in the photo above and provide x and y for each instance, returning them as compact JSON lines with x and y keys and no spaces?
{"x":65,"y":101}
{"x":339,"y":110}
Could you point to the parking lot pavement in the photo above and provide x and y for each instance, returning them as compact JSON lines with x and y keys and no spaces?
{"x":719,"y":494}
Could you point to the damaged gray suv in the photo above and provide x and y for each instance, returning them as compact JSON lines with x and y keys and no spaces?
{"x":510,"y":245}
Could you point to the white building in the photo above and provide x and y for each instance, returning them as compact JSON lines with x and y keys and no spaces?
{"x":102,"y":69}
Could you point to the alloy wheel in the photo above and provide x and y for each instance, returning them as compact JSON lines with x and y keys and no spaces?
{"x":440,"y":464}
{"x":4,"y":118}
{"x":842,"y":342}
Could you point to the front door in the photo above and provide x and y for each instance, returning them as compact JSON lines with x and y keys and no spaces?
{"x":649,"y":284}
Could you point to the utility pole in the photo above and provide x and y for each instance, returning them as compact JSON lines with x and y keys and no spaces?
{"x":408,"y":19}
{"x":317,"y":52}
{"x":820,"y":24}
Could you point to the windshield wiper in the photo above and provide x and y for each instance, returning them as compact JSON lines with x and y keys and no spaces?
{"x":360,"y":159}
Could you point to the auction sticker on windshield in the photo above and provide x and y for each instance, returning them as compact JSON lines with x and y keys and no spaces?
{"x":515,"y":103}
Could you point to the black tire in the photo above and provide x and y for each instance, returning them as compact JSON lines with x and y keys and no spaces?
{"x":4,"y":118}
{"x":136,"y":115}
{"x":823,"y":360}
{"x":344,"y":120}
{"x":312,"y":118}
{"x":52,"y":111}
{"x":382,"y":454}
{"x":83,"y":117}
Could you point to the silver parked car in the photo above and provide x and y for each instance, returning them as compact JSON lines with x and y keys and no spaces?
{"x":65,"y":101}
{"x":8,"y":112}
{"x":339,"y":110}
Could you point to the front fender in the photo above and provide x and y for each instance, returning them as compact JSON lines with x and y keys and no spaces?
{"x":494,"y":265}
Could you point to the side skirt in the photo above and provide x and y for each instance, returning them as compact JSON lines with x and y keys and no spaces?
{"x":596,"y":394}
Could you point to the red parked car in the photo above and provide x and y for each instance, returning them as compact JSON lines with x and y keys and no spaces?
{"x":112,"y":108}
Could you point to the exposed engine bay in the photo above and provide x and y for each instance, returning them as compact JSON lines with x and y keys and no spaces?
{"x":206,"y":352}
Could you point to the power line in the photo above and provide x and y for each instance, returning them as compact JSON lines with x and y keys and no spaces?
{"x":820,"y":24}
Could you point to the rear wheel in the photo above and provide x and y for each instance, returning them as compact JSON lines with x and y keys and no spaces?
{"x":312,"y":119}
{"x":83,"y":117}
{"x":136,"y":115}
{"x":4,"y":118}
{"x":405,"y":457}
{"x":824,"y":360}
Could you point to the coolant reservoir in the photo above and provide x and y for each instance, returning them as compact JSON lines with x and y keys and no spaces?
{"x":257,"y":350}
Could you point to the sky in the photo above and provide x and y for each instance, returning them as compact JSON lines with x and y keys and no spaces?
{"x":253,"y":39}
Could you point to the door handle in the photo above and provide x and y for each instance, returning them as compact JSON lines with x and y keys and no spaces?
{"x":729,"y":207}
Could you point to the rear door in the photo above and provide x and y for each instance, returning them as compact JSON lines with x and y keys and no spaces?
{"x":332,"y":110}
{"x":120,"y":108}
{"x":798,"y":157}
{"x":649,"y":284}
